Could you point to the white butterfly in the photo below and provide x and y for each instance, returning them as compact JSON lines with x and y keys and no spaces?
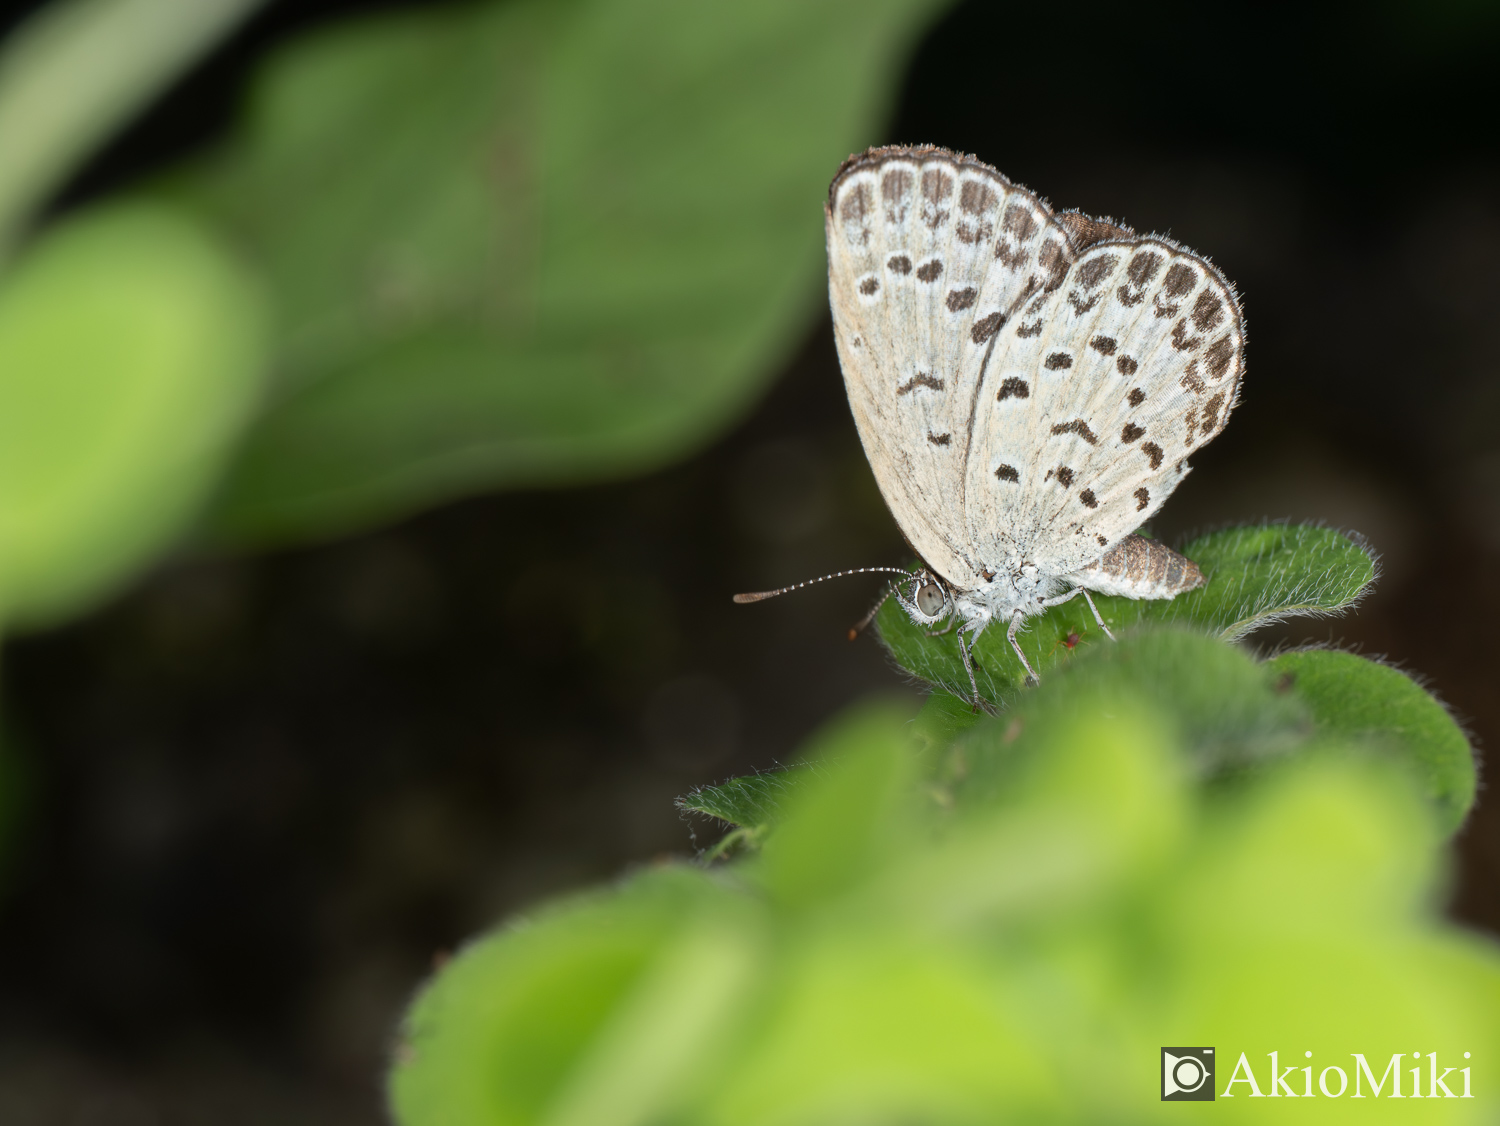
{"x":1027,"y":385}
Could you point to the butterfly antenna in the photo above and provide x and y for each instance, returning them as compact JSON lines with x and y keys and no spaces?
{"x":762,"y":595}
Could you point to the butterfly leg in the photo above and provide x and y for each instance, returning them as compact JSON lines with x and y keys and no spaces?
{"x":1074,"y":593}
{"x":943,"y":632}
{"x":1015,"y":623}
{"x":1089,"y":599}
{"x":967,"y":650}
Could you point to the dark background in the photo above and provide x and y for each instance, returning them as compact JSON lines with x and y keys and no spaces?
{"x":263,"y":793}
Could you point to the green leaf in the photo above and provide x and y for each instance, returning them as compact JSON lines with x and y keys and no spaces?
{"x":1360,"y":701}
{"x":1256,"y":575}
{"x":76,"y":71}
{"x":131,"y":351}
{"x":1224,"y":708}
{"x":534,"y":243}
{"x":596,"y":1010}
{"x":756,"y":803}
{"x":752,"y":804}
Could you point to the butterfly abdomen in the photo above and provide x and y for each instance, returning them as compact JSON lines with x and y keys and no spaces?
{"x":1140,"y":568}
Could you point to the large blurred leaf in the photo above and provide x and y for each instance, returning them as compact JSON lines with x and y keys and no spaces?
{"x":1360,"y":701}
{"x":535,"y":243}
{"x":1256,"y":575}
{"x":131,"y":350}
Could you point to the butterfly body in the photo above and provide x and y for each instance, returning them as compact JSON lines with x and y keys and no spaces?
{"x":1027,"y":385}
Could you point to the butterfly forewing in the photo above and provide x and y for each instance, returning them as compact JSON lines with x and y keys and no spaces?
{"x":929,"y":256}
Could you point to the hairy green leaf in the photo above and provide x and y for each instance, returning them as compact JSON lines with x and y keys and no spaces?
{"x":1256,"y":575}
{"x":1224,"y":709}
{"x":131,"y":352}
{"x":1360,"y":701}
{"x":534,"y":243}
{"x":754,"y":804}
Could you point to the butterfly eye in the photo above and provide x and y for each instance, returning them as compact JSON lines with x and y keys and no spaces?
{"x":930,"y":600}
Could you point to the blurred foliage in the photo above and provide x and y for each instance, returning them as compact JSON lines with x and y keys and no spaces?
{"x":499,"y":244}
{"x":532,"y":243}
{"x":78,"y":70}
{"x":969,"y":918}
{"x":131,"y":348}
{"x":1011,"y":942}
{"x":1256,"y":576}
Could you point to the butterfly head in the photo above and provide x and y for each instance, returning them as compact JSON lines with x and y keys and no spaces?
{"x":931,"y":599}
{"x":927,"y":600}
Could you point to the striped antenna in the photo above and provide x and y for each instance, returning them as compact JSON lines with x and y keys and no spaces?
{"x":762,"y":595}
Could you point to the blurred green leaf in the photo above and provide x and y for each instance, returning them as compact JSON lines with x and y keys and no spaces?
{"x":1224,"y":709}
{"x":1256,"y":575}
{"x":533,"y":243}
{"x":76,"y":71}
{"x":594,"y":1010}
{"x":1358,"y":700}
{"x":131,"y":350}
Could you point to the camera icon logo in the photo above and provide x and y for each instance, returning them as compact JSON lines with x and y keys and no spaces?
{"x":1187,"y":1075}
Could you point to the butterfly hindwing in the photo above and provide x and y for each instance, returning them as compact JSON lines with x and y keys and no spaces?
{"x":1136,"y":361}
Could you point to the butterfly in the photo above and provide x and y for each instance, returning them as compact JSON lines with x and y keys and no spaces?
{"x":1027,"y":385}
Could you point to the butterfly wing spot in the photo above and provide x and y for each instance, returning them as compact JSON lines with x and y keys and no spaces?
{"x":1125,"y":365}
{"x":1141,"y":269}
{"x":1142,"y":499}
{"x":856,"y":204}
{"x":1211,"y":414}
{"x":1154,"y":452}
{"x":1104,"y":345}
{"x":1191,"y":420}
{"x":986,"y":327}
{"x":1136,"y":396}
{"x":1019,"y":222}
{"x":1180,"y":278}
{"x":1191,"y":380}
{"x":1008,"y":473}
{"x":1208,"y":311}
{"x":1103,"y":541}
{"x":939,"y":439}
{"x":898,"y":264}
{"x":1058,"y":361}
{"x":1088,"y":498}
{"x":1013,"y":389}
{"x":869,"y":287}
{"x":1131,"y":433}
{"x":960,"y":299}
{"x":1092,"y":272}
{"x":1063,"y":474}
{"x":1026,"y":331}
{"x":937,"y":188}
{"x":1181,"y":340}
{"x":1077,"y":426}
{"x":1218,"y":356}
{"x":930,"y":271}
{"x":895,"y":188}
{"x":921,"y":379}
